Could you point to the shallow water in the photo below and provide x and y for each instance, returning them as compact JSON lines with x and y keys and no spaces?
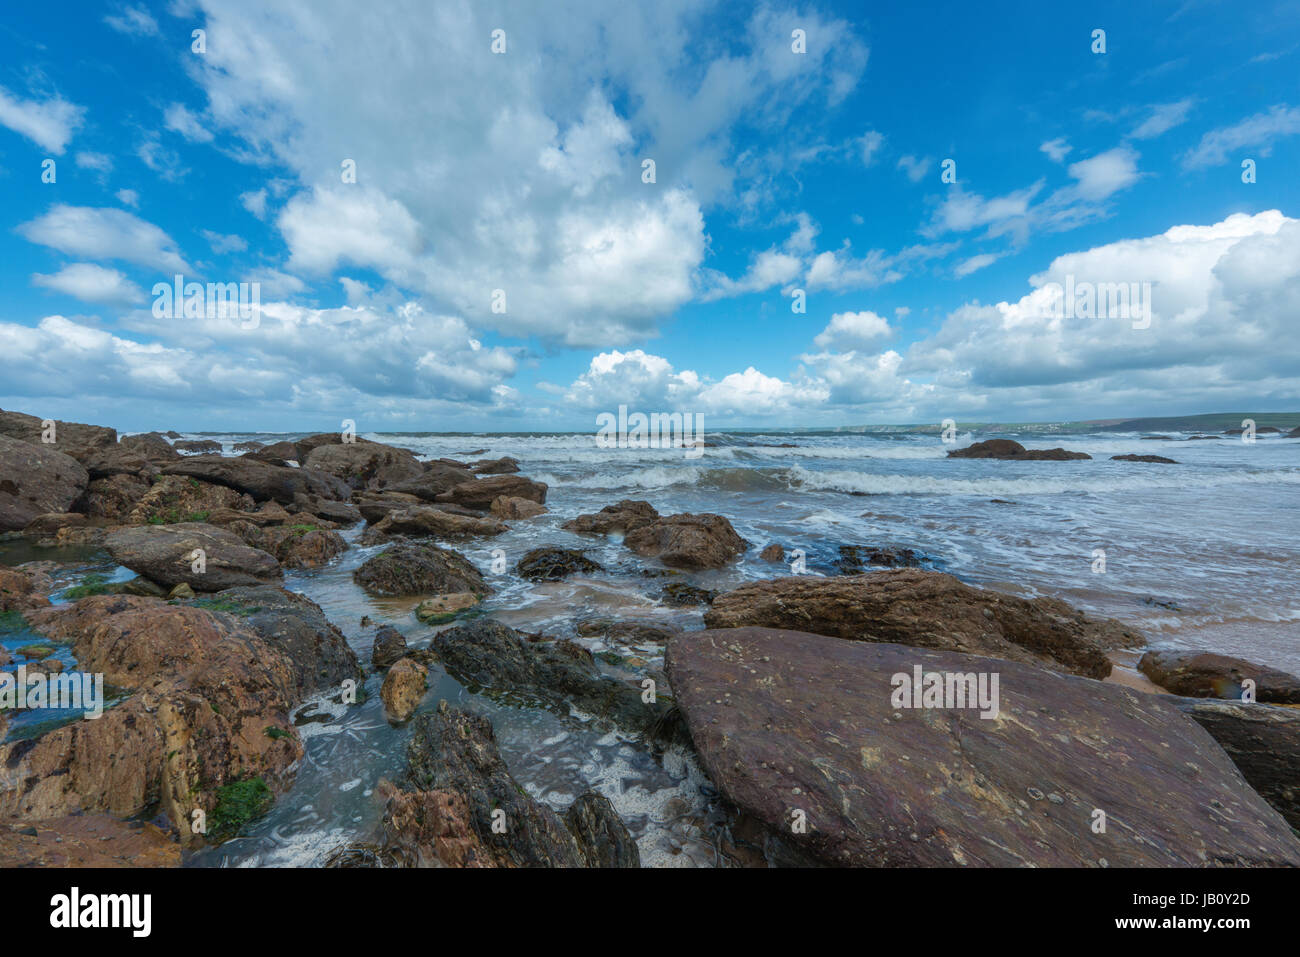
{"x":1197,"y":555}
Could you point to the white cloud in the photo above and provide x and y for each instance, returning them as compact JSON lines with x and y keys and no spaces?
{"x":1105,"y":174}
{"x":101,"y":233}
{"x":255,"y":202}
{"x":128,"y":197}
{"x":869,"y":145}
{"x":99,"y":162}
{"x":1255,"y":133}
{"x":1056,"y":149}
{"x":49,"y":123}
{"x":222,"y":244}
{"x":179,"y":118}
{"x":133,"y":21}
{"x":974,"y":264}
{"x":848,"y":330}
{"x":915,"y":168}
{"x":91,"y":283}
{"x":1163,"y":118}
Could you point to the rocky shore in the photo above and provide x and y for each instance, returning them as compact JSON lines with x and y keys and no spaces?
{"x":821,"y":708}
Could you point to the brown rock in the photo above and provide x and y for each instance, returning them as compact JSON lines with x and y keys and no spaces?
{"x":1158,"y":459}
{"x":687,"y":541}
{"x":481,"y":492}
{"x":627,"y":515}
{"x":773,"y":553}
{"x":1203,"y":674}
{"x":175,"y":498}
{"x":112,"y":498}
{"x":199,"y":446}
{"x":512,"y":507}
{"x":444,"y":608}
{"x":71,"y":438}
{"x":166,"y":554}
{"x":35,"y":479}
{"x":293,"y":546}
{"x":86,"y":840}
{"x":368,"y":465}
{"x":424,"y":521}
{"x":1007,"y":449}
{"x":403,"y":689}
{"x":410,"y":568}
{"x":927,"y":609}
{"x":259,"y":479}
{"x":804,"y":728}
{"x":502,"y":466}
{"x":389,"y":647}
{"x":277,"y":453}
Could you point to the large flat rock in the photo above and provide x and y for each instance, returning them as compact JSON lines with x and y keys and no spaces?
{"x":927,"y":609}
{"x":166,"y":554}
{"x":787,"y":722}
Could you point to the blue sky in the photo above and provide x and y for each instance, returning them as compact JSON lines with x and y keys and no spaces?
{"x":775,"y":171}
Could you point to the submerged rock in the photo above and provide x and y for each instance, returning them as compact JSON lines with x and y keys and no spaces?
{"x":169,"y":555}
{"x":773,"y":553}
{"x":444,"y":608}
{"x":627,"y":515}
{"x":389,"y":647}
{"x":403,"y":689}
{"x":1203,"y":674}
{"x":199,"y":446}
{"x":682,"y":595}
{"x":554,"y":564}
{"x":488,"y":654}
{"x":854,"y":559}
{"x":1014,"y":451}
{"x":411,"y":568}
{"x":928,"y":610}
{"x":1158,"y":459}
{"x":460,"y":807}
{"x":806,"y":734}
{"x":687,"y":541}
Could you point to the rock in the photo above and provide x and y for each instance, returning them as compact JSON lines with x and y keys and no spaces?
{"x":787,"y":722}
{"x":277,"y":453}
{"x":198,"y":446}
{"x":269,"y":513}
{"x":511,"y":507}
{"x":35,"y":652}
{"x":86,"y":840}
{"x":181,"y":591}
{"x":35,"y":479}
{"x":375,"y":506}
{"x":166,"y":554}
{"x":295,"y":626}
{"x":618,"y":519}
{"x":502,"y":466}
{"x":1007,"y":449}
{"x":367,"y":465}
{"x":558,"y":675}
{"x":626,"y":631}
{"x":554,"y":564}
{"x":208,"y":707}
{"x":927,"y":609}
{"x":681,"y":595}
{"x":293,"y":546}
{"x":315,"y":510}
{"x":260,"y":480}
{"x":1203,"y":674}
{"x":112,"y":498}
{"x":72,"y":439}
{"x":480,"y":493}
{"x":425,"y":521}
{"x":773,"y":553}
{"x":855,"y":559}
{"x":1293,"y":434}
{"x":115,"y":460}
{"x":1143,"y":458}
{"x":48,"y":525}
{"x":602,"y":837}
{"x":152,"y":445}
{"x":419,"y":569}
{"x":444,"y":608}
{"x":403,"y":689}
{"x":20,"y":591}
{"x":436,"y":478}
{"x":1215,"y":438}
{"x":174,"y":498}
{"x":457,"y":787}
{"x":247,"y":446}
{"x":1263,"y":742}
{"x":389,"y":647}
{"x":687,"y":541}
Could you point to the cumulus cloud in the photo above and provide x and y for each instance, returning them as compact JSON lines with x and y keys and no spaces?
{"x":849,"y":329}
{"x":528,"y":176}
{"x":49,"y":123}
{"x":91,"y":283}
{"x":101,"y":233}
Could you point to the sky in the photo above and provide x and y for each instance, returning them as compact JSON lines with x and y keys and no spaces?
{"x":462,"y":216}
